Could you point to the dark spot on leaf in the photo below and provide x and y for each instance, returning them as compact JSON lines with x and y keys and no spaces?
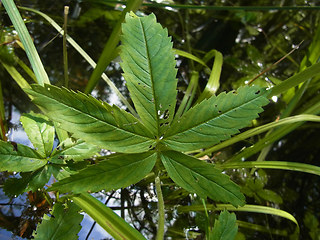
{"x":139,"y":83}
{"x":166,"y":114}
{"x":219,"y":111}
{"x":166,"y":123}
{"x":15,"y":146}
{"x":161,"y":124}
{"x":150,"y":146}
{"x":257,"y":92}
{"x":216,"y":105}
{"x":60,"y":157}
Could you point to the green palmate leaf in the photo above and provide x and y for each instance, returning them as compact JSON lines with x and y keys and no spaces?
{"x":225,"y":227}
{"x":19,"y":158}
{"x":40,"y":132}
{"x":64,"y":223}
{"x":215,"y":119}
{"x":93,"y":121}
{"x":149,"y":69}
{"x":201,"y":178}
{"x":114,"y":173}
{"x":76,"y":151}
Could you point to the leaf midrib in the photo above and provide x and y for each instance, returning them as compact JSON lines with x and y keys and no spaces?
{"x":192,"y":170}
{"x":95,"y":118}
{"x":151,"y":76}
{"x":203,"y":122}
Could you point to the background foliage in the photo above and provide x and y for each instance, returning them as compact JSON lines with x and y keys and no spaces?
{"x":249,"y":41}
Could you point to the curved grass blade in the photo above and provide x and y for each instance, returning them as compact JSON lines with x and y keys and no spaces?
{"x":93,"y":121}
{"x":296,"y":79}
{"x":191,"y":57}
{"x":25,"y":38}
{"x":58,"y":227}
{"x":149,"y":69}
{"x":117,"y":172}
{"x":19,"y":158}
{"x":260,"y":129}
{"x":23,"y":84}
{"x":245,"y":208}
{"x":214,"y":79}
{"x":292,"y":166}
{"x":215,"y":119}
{"x":116,"y":226}
{"x":201,"y":178}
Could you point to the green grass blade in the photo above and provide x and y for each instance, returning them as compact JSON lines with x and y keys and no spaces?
{"x":296,"y":79}
{"x":276,"y":134}
{"x":117,"y":227}
{"x":23,"y":84}
{"x":108,"y":51}
{"x":214,"y":79}
{"x":245,"y":208}
{"x":26,"y":40}
{"x":292,"y":166}
{"x":191,"y":57}
{"x":260,"y":129}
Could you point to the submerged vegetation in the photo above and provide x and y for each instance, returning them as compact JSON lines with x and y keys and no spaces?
{"x":202,"y":135}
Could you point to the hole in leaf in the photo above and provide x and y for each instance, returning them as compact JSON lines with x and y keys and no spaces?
{"x":219,"y":111}
{"x":257,"y":92}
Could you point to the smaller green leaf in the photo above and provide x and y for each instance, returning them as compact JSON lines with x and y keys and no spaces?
{"x":19,"y":158}
{"x":201,"y":178}
{"x":225,"y":227}
{"x":113,"y":173}
{"x":40,"y":131}
{"x":270,"y":196}
{"x":42,"y":176}
{"x":75,"y":150}
{"x":59,"y":225}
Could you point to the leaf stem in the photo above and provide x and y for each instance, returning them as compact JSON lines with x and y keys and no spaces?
{"x":65,"y":54}
{"x":160,"y":233}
